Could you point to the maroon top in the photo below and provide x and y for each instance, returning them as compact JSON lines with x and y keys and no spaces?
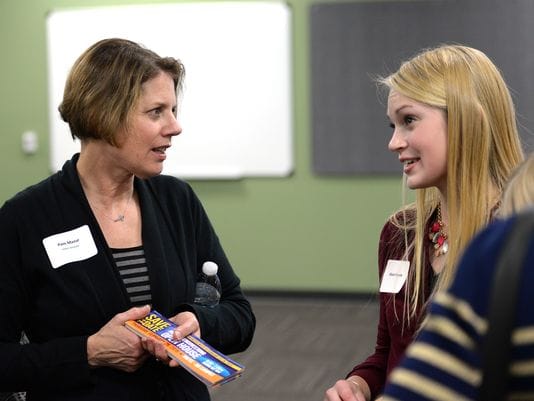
{"x":392,"y":338}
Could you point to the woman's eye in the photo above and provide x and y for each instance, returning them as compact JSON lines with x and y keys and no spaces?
{"x":155,"y":112}
{"x":408,"y":120}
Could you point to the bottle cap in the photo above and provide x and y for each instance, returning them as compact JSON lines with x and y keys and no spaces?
{"x":210,"y":268}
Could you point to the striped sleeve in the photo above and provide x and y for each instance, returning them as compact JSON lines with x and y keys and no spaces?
{"x":443,"y":364}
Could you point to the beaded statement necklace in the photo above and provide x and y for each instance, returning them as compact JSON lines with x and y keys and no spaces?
{"x":437,"y":235}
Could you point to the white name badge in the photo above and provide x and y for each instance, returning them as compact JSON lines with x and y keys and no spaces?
{"x":394,"y":276}
{"x":70,"y":246}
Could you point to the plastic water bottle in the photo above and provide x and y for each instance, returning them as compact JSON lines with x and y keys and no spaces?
{"x":208,"y":289}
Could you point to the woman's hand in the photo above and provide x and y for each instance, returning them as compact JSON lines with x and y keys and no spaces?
{"x":116,"y":346}
{"x":352,"y":389}
{"x":187,"y":324}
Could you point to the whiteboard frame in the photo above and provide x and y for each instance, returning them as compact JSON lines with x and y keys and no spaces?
{"x":236,"y":108}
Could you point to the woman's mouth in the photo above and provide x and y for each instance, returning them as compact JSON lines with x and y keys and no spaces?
{"x":160,"y":152}
{"x":160,"y":149}
{"x":408,"y":164}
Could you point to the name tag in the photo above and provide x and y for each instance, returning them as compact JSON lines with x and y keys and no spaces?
{"x":70,"y":246}
{"x":394,"y":276}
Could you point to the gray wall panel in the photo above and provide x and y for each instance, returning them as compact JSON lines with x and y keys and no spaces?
{"x":353,"y":42}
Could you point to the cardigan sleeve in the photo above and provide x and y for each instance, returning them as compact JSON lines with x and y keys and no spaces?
{"x":230,"y":325}
{"x":373,"y":369}
{"x":394,"y":333}
{"x":59,"y":363}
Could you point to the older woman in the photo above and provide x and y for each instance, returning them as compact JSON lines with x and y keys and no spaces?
{"x":96,"y":243}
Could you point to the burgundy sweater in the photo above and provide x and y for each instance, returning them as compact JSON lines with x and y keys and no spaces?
{"x":392,"y":338}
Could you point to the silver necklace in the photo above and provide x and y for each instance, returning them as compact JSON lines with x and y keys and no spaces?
{"x":121,"y":216}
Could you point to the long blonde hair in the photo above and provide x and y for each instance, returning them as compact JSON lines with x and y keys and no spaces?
{"x":519,"y":191}
{"x":483,"y":147}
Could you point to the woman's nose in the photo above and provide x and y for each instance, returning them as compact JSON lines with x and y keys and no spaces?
{"x":174,"y":127}
{"x":397,"y":141}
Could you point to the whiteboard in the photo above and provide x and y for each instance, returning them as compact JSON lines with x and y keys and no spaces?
{"x":236,"y":108}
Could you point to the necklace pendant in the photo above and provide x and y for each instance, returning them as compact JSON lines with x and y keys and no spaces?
{"x":437,"y":235}
{"x":120,"y":217}
{"x":436,"y":227}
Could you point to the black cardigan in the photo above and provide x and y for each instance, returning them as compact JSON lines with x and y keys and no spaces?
{"x":59,"y":308}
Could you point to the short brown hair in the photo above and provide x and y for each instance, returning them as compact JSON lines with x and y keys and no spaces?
{"x":105,"y":83}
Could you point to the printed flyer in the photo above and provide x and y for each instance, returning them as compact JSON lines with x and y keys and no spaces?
{"x":198,"y":357}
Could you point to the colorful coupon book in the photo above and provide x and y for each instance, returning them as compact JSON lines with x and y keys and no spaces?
{"x":198,"y":357}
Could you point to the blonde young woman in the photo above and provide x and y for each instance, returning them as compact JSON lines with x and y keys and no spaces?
{"x":455,"y":133}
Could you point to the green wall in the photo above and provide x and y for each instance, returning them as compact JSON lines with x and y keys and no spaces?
{"x":304,"y":232}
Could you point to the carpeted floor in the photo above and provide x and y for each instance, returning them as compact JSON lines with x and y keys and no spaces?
{"x":302,"y":346}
